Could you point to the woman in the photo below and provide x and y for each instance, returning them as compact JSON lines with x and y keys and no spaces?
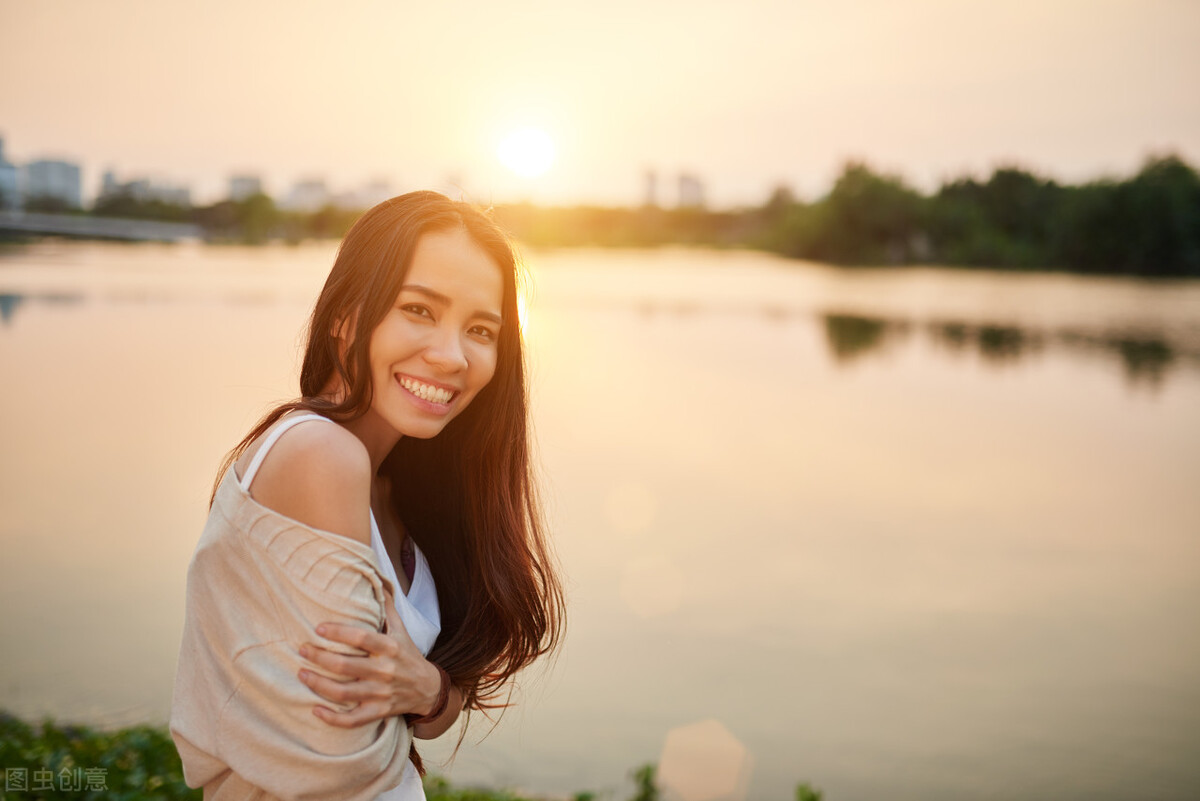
{"x":373,"y":561}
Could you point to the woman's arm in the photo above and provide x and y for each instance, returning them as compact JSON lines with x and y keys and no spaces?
{"x":257,"y":585}
{"x":319,"y":475}
{"x":392,"y":679}
{"x":438,"y":726}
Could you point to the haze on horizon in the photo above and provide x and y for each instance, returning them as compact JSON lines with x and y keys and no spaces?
{"x":746,"y":96}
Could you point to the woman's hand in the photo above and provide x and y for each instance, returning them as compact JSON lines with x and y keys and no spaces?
{"x":394,"y":678}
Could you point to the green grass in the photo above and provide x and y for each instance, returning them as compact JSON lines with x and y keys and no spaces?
{"x":132,"y":763}
{"x":81,"y":763}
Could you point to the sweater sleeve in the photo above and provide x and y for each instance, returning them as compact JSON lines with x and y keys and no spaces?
{"x":242,"y":718}
{"x":267,"y":732}
{"x":270,"y":738}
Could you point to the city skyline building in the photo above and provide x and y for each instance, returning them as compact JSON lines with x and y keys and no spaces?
{"x":366,"y":196}
{"x":144,"y":190}
{"x":306,"y":195}
{"x":51,"y":179}
{"x":691,"y":191}
{"x":244,"y":185}
{"x":62,"y":180}
{"x":10,"y":188}
{"x":650,"y":188}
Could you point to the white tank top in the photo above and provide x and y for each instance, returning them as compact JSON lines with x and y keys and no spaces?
{"x":418,"y":610}
{"x":423,"y":622}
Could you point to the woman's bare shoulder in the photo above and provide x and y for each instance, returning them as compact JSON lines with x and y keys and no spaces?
{"x":319,"y":474}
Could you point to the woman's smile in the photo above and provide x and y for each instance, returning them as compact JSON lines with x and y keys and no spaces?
{"x":430,"y":394}
{"x":436,"y":349}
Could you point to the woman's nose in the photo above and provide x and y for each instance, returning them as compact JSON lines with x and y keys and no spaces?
{"x":446,"y":352}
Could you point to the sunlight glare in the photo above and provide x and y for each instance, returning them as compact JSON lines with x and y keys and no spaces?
{"x":528,"y":152}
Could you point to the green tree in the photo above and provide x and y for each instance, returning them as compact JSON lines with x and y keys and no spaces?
{"x":256,"y":217}
{"x":866,"y":218}
{"x":1005,"y":222}
{"x":125,"y":205}
{"x":47,"y":204}
{"x":1149,"y":225}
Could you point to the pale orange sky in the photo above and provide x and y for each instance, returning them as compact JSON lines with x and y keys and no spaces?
{"x":745,"y":94}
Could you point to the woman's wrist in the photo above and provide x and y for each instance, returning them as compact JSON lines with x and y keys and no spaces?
{"x":439,"y":726}
{"x":439,"y":698}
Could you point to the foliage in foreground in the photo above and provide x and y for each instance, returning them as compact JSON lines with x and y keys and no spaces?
{"x":132,"y":763}
{"x":140,"y":762}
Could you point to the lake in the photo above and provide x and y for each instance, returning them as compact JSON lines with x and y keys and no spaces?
{"x":904,"y":534}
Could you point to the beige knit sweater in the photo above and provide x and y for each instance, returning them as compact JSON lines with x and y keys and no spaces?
{"x":241,"y":718}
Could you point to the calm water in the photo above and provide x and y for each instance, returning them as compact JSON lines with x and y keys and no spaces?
{"x":912,"y":535}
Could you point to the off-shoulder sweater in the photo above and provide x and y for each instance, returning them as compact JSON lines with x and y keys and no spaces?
{"x":257,"y":585}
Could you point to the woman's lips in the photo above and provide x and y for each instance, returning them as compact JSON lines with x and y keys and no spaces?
{"x":428,"y":392}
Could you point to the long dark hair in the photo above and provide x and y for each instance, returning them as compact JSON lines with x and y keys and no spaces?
{"x":467,"y":496}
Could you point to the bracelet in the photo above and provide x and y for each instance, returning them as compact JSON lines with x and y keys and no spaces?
{"x":439,"y":706}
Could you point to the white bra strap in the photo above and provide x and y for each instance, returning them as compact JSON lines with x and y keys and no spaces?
{"x":257,"y":461}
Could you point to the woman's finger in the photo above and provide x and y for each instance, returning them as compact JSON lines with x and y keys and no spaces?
{"x":370,"y":641}
{"x":339,"y":632}
{"x":340,"y":692}
{"x":343,"y":692}
{"x":352,"y":667}
{"x":363,"y":713}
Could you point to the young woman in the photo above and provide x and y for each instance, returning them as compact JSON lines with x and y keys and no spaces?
{"x":374,"y":561}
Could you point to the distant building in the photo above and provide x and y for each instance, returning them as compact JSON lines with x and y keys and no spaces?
{"x":58,"y":180}
{"x":650,"y":182}
{"x":10,"y":187}
{"x":691,"y":191}
{"x":144,"y":190}
{"x":243,"y":186}
{"x":375,"y":193}
{"x":307,"y":195}
{"x":108,"y":184}
{"x":364,"y":197}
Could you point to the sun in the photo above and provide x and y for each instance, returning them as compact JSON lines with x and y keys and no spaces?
{"x":528,"y":152}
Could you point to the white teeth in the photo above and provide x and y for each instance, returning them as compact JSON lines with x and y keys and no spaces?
{"x":427,"y":392}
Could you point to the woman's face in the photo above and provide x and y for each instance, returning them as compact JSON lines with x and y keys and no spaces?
{"x":435,"y":349}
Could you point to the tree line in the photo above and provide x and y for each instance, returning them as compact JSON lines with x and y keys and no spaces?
{"x":1147,"y":224}
{"x":252,"y":220}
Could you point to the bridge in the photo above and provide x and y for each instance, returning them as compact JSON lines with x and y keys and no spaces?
{"x":85,"y":227}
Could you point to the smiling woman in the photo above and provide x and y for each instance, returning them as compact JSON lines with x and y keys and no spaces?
{"x":332,"y":614}
{"x":436,"y":348}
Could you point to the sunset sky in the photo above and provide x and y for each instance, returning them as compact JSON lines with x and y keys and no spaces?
{"x":746,"y":95}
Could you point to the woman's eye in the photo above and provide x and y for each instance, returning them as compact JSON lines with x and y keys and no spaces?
{"x":482,"y":332}
{"x":417,"y":309}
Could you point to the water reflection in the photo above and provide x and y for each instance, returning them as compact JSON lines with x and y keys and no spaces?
{"x":1145,"y":359}
{"x":996,"y":344}
{"x":8,"y":307}
{"x":851,"y":337}
{"x":1000,"y":589}
{"x":11,"y":301}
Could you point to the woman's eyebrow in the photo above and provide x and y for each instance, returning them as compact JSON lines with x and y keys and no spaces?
{"x":445,"y":301}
